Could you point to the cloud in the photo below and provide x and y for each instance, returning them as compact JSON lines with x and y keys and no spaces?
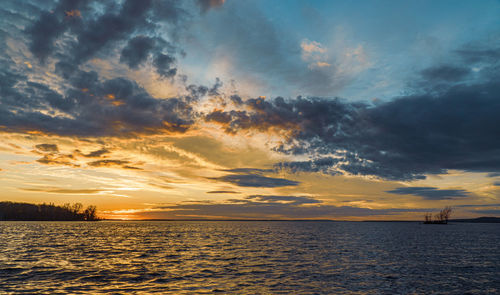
{"x":310,"y":47}
{"x":315,"y":54}
{"x":320,"y":64}
{"x":248,"y":170}
{"x":46,"y":147}
{"x":58,"y":159}
{"x":446,"y":73}
{"x":323,"y":165}
{"x":107,"y":163}
{"x":74,"y":100}
{"x":97,"y":153}
{"x":90,"y":107}
{"x":131,"y":167}
{"x":223,"y":192}
{"x":113,"y":163}
{"x":477,"y":205}
{"x":52,"y":156}
{"x":97,"y":28}
{"x":63,"y":191}
{"x":255,"y":180}
{"x":452,"y":124}
{"x":431,"y":193}
{"x":479,"y":53}
{"x":284,"y":199}
{"x":164,"y":65}
{"x":43,"y":33}
{"x":136,"y":51}
{"x":487,"y":212}
{"x":268,"y":206}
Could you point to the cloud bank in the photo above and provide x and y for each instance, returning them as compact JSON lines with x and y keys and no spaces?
{"x":449,"y":120}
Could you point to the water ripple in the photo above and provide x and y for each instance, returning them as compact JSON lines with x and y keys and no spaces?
{"x":248,"y":258}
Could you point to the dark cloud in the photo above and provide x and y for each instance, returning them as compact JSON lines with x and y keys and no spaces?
{"x":487,"y":212}
{"x":92,"y":107}
{"x":46,"y":147}
{"x":98,"y":153}
{"x":323,"y":165}
{"x":256,"y":180}
{"x":236,"y":99}
{"x":430,"y":131}
{"x":137,"y":51}
{"x":272,"y":207}
{"x":113,"y":163}
{"x":478,"y":53}
{"x":85,"y":29}
{"x":497,"y":183}
{"x":446,"y":73}
{"x":248,"y":170}
{"x":431,"y":193}
{"x":115,"y":24}
{"x":84,"y":104}
{"x":223,"y":192}
{"x":164,"y":65}
{"x":131,"y":167}
{"x":58,"y":159}
{"x":43,"y":34}
{"x":52,"y":156}
{"x":107,"y":163}
{"x":477,"y":205}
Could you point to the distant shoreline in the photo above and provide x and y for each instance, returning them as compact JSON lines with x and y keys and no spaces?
{"x":471,"y":220}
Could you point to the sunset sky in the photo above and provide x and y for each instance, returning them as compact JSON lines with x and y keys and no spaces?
{"x":253,"y":109}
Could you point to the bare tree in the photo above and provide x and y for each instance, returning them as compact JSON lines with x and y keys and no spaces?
{"x":440,"y":218}
{"x":446,"y":212}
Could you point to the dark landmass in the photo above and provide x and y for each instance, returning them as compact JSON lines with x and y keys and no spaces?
{"x":13,"y":211}
{"x":471,"y":220}
{"x":194,"y":219}
{"x":478,"y":220}
{"x":390,"y":221}
{"x":475,"y":220}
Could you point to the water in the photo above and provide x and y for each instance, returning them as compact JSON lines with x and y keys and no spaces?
{"x":187,"y":257}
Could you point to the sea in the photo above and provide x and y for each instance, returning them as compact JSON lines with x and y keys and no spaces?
{"x":248,"y":257}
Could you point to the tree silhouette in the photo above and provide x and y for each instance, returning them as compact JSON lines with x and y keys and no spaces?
{"x":440,"y":218}
{"x":47,"y":212}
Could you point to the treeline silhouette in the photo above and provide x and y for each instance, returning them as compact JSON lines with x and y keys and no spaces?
{"x":441,"y":218}
{"x":47,"y":212}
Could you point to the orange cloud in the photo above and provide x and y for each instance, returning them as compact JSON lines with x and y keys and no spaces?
{"x":73,"y":13}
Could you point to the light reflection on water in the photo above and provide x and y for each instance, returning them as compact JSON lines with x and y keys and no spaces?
{"x":187,"y":257}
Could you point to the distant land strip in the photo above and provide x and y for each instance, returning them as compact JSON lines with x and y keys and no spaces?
{"x":472,"y":220}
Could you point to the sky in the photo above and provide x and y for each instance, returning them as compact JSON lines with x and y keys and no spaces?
{"x":343,"y":110}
